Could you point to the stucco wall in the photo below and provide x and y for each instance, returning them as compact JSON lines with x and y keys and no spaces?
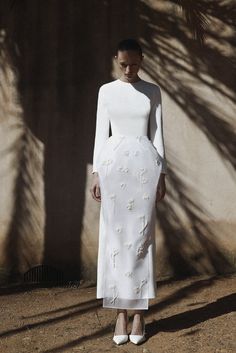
{"x":60,"y":53}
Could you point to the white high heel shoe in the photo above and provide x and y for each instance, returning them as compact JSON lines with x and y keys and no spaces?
{"x":120,"y":339}
{"x":136,"y":339}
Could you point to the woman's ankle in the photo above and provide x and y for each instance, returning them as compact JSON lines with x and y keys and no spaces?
{"x":139,"y":314}
{"x":121,"y":322}
{"x":121,"y":311}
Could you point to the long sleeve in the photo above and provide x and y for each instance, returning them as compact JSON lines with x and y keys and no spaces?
{"x":156,"y":127}
{"x":102,"y":127}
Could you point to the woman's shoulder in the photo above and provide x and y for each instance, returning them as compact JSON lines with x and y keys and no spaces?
{"x":107,"y":85}
{"x":152,"y":89}
{"x":152,"y":86}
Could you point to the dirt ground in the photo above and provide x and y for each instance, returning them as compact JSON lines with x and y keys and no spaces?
{"x":191,"y":315}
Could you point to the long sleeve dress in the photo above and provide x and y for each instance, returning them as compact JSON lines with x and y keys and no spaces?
{"x":129,"y":164}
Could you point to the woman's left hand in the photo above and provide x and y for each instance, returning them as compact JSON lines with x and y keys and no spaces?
{"x":161,"y":188}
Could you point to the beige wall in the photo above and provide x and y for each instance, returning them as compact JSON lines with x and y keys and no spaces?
{"x":47,"y":214}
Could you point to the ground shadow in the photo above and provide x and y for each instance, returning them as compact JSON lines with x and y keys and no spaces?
{"x":193,"y":317}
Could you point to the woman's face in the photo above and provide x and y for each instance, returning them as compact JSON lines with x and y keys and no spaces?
{"x":129,"y":62}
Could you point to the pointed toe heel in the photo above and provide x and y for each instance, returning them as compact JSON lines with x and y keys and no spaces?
{"x":137,"y":339}
{"x":120,"y":339}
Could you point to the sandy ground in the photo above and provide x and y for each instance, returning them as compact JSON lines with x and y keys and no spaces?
{"x":191,"y":315}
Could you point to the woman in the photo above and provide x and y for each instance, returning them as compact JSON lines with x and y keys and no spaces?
{"x":129,"y":178}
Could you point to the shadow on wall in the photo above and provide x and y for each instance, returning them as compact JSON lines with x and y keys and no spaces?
{"x":62,"y":52}
{"x":200,"y":61}
{"x":61,"y":61}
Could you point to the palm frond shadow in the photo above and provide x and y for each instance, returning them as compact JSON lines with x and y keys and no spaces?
{"x":21,"y":158}
{"x":189,"y":251}
{"x":185,"y":63}
{"x":198,"y":60}
{"x":187,"y":319}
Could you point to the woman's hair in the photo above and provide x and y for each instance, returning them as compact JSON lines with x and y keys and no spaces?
{"x":129,"y":44}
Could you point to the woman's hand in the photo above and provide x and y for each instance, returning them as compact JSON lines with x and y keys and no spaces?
{"x":95,"y":188}
{"x":161,"y":188}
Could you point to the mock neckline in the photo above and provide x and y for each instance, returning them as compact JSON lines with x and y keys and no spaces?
{"x":129,"y":83}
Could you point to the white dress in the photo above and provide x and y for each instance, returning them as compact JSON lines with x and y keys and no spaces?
{"x":129,"y":164}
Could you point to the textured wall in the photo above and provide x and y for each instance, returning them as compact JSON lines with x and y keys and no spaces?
{"x":61,"y":52}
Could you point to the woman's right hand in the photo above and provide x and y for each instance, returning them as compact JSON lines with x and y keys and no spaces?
{"x":95,"y":188}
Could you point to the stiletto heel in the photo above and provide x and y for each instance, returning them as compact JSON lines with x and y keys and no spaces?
{"x":120,"y":339}
{"x":136,"y":339}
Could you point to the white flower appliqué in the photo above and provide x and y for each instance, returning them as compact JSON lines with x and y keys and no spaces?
{"x":144,"y":224}
{"x":143,"y":180}
{"x":130,"y":204}
{"x":158,"y":161}
{"x":114,"y":295}
{"x":119,"y":229}
{"x":107,"y":162}
{"x":128,"y":245}
{"x":113,"y":198}
{"x":139,"y":288}
{"x":114,"y":253}
{"x":122,"y":169}
{"x":145,"y":196}
{"x":140,"y":250}
{"x":129,"y":274}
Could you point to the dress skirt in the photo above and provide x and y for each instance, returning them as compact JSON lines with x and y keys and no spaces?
{"x":129,"y":168}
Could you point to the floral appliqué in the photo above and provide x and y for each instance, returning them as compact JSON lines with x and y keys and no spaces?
{"x":142,"y":178}
{"x":119,"y":229}
{"x":145,"y":196}
{"x":114,"y":296}
{"x":128,"y":245}
{"x":130,"y":204}
{"x":144,"y":224}
{"x":122,"y":169}
{"x":114,"y":253}
{"x":129,"y":274}
{"x":139,"y":288}
{"x":113,"y":198}
{"x":107,"y":162}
